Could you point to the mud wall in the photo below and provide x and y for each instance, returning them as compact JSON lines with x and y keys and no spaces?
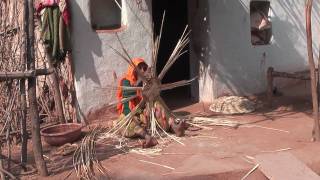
{"x":95,"y":63}
{"x":229,"y":63}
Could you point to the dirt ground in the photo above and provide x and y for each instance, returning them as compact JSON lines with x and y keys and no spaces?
{"x":218,"y":153}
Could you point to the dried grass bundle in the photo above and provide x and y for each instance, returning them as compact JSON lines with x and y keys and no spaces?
{"x":84,"y":159}
{"x":205,"y":121}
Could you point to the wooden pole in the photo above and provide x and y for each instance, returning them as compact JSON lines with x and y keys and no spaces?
{"x":23,"y":124}
{"x":9,"y":148}
{"x":33,"y":108}
{"x":26,"y":74}
{"x":23,"y":97}
{"x":56,"y":89}
{"x":72,"y":89}
{"x":291,"y":75}
{"x":314,"y":93}
{"x":318,"y":85}
{"x":2,"y":176}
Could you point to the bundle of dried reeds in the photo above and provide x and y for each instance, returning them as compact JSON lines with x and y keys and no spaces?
{"x":205,"y":122}
{"x":84,"y":158}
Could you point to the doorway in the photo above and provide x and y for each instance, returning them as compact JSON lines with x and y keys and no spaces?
{"x":175,"y":21}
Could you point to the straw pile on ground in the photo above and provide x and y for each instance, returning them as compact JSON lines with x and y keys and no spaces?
{"x":232,"y":105}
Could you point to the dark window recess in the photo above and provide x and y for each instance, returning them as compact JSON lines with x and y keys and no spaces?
{"x":261,"y":27}
{"x":105,"y":14}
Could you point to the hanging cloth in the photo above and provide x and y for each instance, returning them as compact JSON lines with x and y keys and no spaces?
{"x":55,"y":33}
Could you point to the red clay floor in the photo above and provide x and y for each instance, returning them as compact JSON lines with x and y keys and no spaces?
{"x":223,"y":152}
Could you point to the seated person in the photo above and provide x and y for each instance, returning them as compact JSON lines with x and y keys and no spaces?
{"x":140,"y":122}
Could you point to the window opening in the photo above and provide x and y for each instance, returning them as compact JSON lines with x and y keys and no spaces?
{"x":105,"y":14}
{"x":261,"y":26}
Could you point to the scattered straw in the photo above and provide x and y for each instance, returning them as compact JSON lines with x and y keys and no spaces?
{"x":279,"y":150}
{"x":147,"y":152}
{"x":148,"y":162}
{"x":205,"y":121}
{"x":251,"y":171}
{"x":170,"y":173}
{"x":210,"y":137}
{"x":257,"y":126}
{"x":199,"y":126}
{"x":250,"y":157}
{"x":172,"y":137}
{"x":247,"y":160}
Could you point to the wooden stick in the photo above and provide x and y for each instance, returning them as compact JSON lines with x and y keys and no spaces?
{"x":165,"y":106}
{"x":170,"y":173}
{"x":124,"y":49}
{"x":124,"y":100}
{"x":253,"y":169}
{"x":2,"y":176}
{"x":72,"y":88}
{"x":168,"y":167}
{"x":199,"y":126}
{"x":290,"y":75}
{"x":9,"y":148}
{"x":33,"y":110}
{"x":23,"y":124}
{"x":315,"y":105}
{"x":126,"y":88}
{"x":176,"y":53}
{"x":143,"y":78}
{"x":279,"y":150}
{"x":156,"y":45}
{"x":176,"y":84}
{"x":24,"y":75}
{"x":118,"y":4}
{"x":258,"y":126}
{"x":56,"y":90}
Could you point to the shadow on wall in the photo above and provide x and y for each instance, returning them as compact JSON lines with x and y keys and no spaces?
{"x":86,"y":44}
{"x":200,"y":43}
{"x":290,"y":38}
{"x":221,"y":41}
{"x":285,"y":35}
{"x":297,"y":18}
